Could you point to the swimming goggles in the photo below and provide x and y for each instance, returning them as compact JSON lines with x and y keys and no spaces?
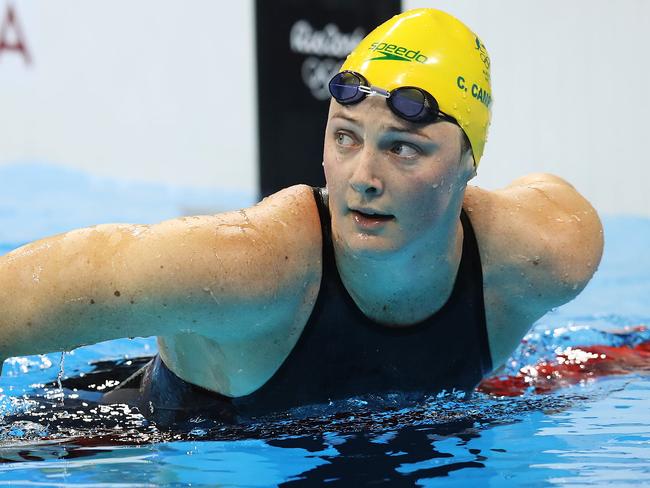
{"x":408,"y":102}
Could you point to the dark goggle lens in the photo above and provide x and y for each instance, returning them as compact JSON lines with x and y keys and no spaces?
{"x":344,"y":87}
{"x":408,"y":102}
{"x":412,"y":104}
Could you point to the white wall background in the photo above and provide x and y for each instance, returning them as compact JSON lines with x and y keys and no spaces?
{"x":164,"y":91}
{"x":571,"y":85}
{"x":160,"y":91}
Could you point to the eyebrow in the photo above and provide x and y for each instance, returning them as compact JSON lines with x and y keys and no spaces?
{"x":407,"y":127}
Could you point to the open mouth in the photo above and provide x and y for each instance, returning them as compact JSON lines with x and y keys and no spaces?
{"x":373,"y":215}
{"x":369,"y":219}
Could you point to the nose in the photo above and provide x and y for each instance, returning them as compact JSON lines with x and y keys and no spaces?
{"x":364,"y":178}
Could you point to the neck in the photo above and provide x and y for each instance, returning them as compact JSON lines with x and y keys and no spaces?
{"x":409,"y":285}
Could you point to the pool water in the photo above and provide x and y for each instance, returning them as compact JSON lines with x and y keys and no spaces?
{"x":590,"y":428}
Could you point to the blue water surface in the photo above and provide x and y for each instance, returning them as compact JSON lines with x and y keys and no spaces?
{"x":596,"y":433}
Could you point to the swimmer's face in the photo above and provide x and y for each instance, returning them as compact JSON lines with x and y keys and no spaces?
{"x":412,"y":177}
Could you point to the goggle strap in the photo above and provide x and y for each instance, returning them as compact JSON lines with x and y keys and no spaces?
{"x":373,"y":90}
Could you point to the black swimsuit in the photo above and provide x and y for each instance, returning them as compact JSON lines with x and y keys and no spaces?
{"x":341,"y":353}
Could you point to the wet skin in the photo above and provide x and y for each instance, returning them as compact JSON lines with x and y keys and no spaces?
{"x":229,"y":294}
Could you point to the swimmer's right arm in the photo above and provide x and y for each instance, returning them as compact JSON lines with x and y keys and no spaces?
{"x":224,"y":276}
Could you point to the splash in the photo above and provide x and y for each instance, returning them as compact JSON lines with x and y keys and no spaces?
{"x":59,"y":377}
{"x":542,"y":376}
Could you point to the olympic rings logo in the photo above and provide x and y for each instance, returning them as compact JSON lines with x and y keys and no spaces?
{"x":317,"y":73}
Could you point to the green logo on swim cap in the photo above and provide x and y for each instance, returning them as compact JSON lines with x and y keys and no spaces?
{"x":393,"y":52}
{"x":480,"y":47}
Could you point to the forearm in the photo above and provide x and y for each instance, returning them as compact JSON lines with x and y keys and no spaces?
{"x":63,"y":292}
{"x":106,"y":282}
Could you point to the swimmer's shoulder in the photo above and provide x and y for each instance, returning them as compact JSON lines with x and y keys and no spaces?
{"x":540,"y":242}
{"x":292,"y":214}
{"x":263,"y":250}
{"x":262,"y":263}
{"x":289,"y":219}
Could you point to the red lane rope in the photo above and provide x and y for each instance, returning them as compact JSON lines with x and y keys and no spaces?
{"x":572,"y":365}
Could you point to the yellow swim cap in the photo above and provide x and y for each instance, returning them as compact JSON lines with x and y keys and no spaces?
{"x":434,"y":51}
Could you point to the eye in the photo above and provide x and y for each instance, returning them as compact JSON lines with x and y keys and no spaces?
{"x":404,"y":150}
{"x":344,"y":140}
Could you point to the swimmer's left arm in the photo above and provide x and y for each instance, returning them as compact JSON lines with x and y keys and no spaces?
{"x":562,"y":227}
{"x":541,"y":242}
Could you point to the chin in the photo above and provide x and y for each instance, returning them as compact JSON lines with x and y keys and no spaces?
{"x":369,"y":245}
